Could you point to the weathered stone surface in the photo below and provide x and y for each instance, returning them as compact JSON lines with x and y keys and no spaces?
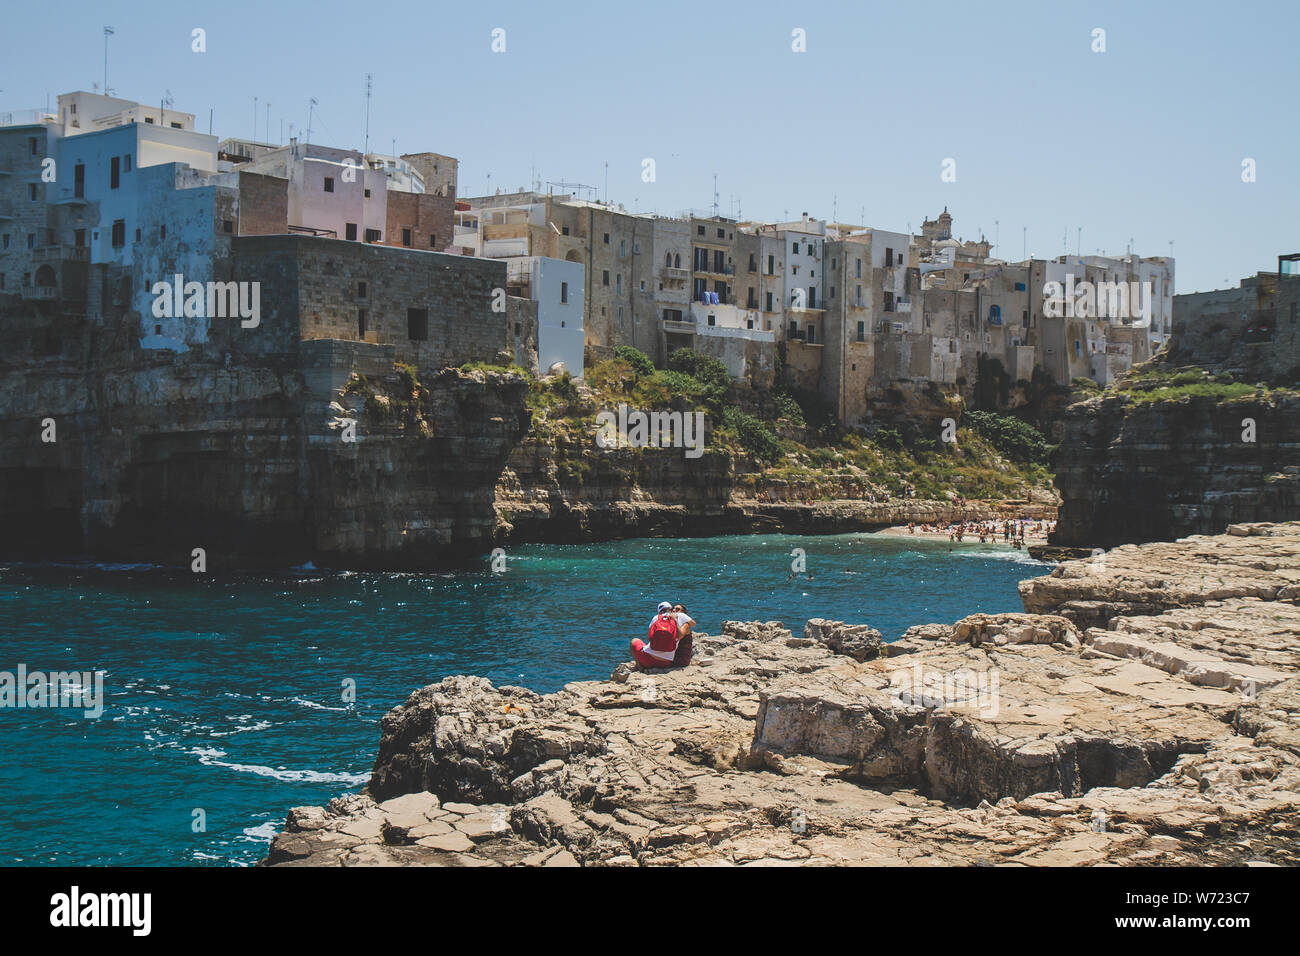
{"x":858,"y":641}
{"x":1167,"y":736}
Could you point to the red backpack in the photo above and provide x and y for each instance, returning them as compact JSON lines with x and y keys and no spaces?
{"x":663,"y":632}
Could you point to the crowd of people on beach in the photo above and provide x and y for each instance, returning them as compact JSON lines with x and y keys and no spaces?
{"x":1013,"y":531}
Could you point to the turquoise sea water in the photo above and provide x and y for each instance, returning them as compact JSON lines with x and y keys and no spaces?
{"x":226,"y":694}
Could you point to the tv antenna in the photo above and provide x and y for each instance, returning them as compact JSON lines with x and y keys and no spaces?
{"x":108,"y":32}
{"x":369,"y":82}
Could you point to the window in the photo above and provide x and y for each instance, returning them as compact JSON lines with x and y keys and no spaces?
{"x":677,"y":261}
{"x":361,"y":290}
{"x":361,"y":323}
{"x":889,"y":256}
{"x":622,"y":248}
{"x":795,"y":248}
{"x":4,"y":243}
{"x":857,"y":268}
{"x":367,"y":193}
{"x":699,"y":230}
{"x":126,"y":163}
{"x":1078,"y":349}
{"x":812,"y":301}
{"x":176,"y":125}
{"x":751,"y":300}
{"x":119,"y":233}
{"x":372,"y":235}
{"x":812,"y":333}
{"x":148,"y":119}
{"x":606,"y":238}
{"x":618,"y":283}
{"x":643,"y":285}
{"x":862,"y":331}
{"x":417,"y":325}
{"x":564,"y":292}
{"x":78,"y":238}
{"x":433,"y":241}
{"x":668,"y":260}
{"x":406,"y":237}
{"x":34,"y":144}
{"x":33,"y":191}
{"x":329,"y":184}
{"x":713,"y":320}
{"x":564,"y":231}
{"x":31,"y":238}
{"x":753,"y":264}
{"x":79,"y":181}
{"x":722,"y":234}
{"x":749,"y":323}
{"x":771,"y":264}
{"x":767,"y":302}
{"x":604,"y":277}
{"x":350,"y":231}
{"x":162,"y":233}
{"x":228,"y":225}
{"x":137,"y":235}
{"x":1020,"y":287}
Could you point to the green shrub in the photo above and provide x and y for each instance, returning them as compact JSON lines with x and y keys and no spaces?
{"x":788,"y":408}
{"x":704,"y":369}
{"x":1013,"y":438}
{"x":888,"y":438}
{"x":634,"y":357}
{"x":755,"y":438}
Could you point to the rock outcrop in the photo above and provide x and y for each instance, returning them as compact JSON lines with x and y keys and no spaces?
{"x":1153,"y":471}
{"x":1118,"y":720}
{"x":263,"y":461}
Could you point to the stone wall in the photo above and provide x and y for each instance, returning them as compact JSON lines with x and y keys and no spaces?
{"x":435,"y":309}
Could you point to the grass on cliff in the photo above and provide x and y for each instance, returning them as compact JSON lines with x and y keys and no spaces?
{"x":1157,"y":382}
{"x":783,"y":435}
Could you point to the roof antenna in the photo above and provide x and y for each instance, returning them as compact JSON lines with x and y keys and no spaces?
{"x":369,"y":79}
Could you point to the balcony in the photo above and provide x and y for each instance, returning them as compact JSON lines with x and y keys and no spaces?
{"x":40,"y":293}
{"x":61,"y":253}
{"x":683,"y":325}
{"x":670,"y":274}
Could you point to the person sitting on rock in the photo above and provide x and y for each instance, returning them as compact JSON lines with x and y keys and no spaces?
{"x":661,"y":646}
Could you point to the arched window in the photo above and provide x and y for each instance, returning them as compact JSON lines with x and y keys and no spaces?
{"x":668,"y":259}
{"x":677,"y":261}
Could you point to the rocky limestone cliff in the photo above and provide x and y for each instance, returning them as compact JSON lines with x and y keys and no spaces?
{"x":156,"y":455}
{"x":1142,"y":711}
{"x":632,"y":493}
{"x":1149,"y":471}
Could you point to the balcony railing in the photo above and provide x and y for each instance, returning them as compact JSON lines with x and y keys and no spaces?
{"x":42,"y":293}
{"x":669,"y":272}
{"x":61,"y":253}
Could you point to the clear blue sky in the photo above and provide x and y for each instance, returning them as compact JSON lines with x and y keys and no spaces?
{"x":1144,"y":141}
